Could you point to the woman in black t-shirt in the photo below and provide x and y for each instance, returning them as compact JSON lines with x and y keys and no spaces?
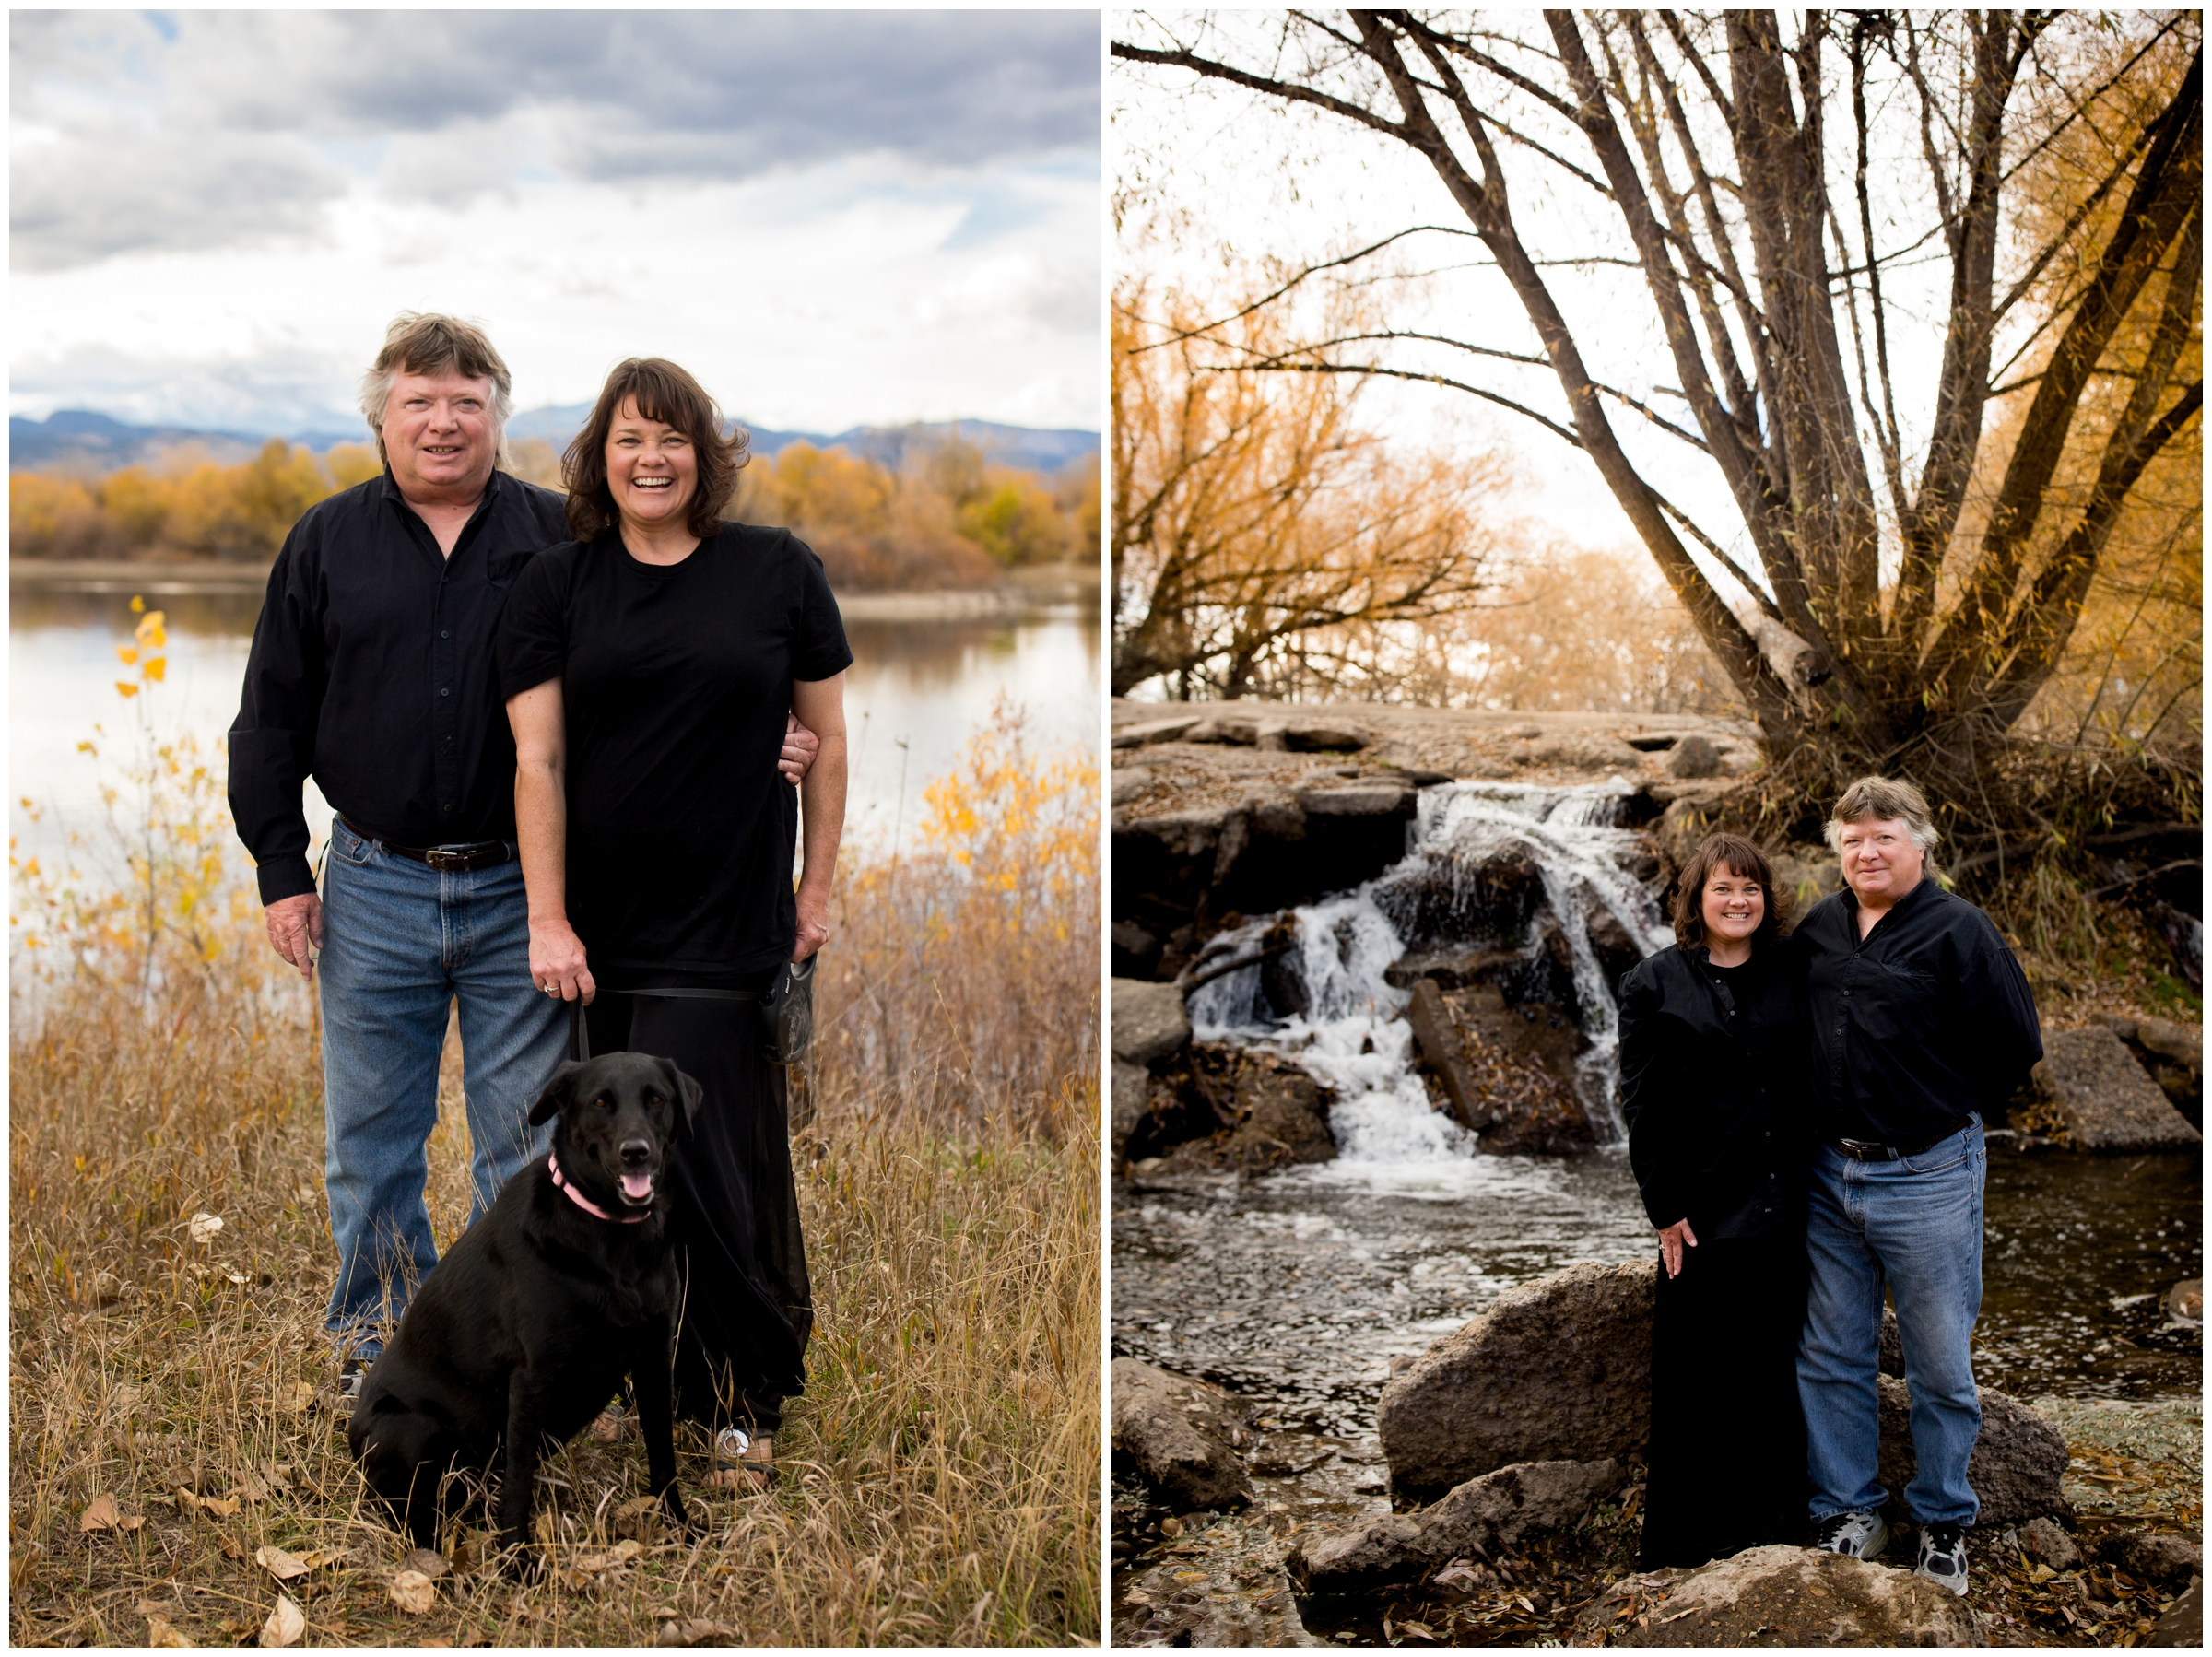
{"x":1712,"y":1068}
{"x":648,"y":666}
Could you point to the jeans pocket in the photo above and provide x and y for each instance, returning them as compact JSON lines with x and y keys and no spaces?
{"x":345,"y":843}
{"x":1954,"y":1152}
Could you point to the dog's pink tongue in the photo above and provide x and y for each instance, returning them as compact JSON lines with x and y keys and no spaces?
{"x":638,"y":1186}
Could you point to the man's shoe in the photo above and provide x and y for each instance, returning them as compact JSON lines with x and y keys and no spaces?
{"x":1943,"y":1556}
{"x":1862,"y":1535}
{"x":351,"y":1373}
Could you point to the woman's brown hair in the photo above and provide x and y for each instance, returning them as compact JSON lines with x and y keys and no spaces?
{"x":665,"y":393}
{"x":1741,"y":858}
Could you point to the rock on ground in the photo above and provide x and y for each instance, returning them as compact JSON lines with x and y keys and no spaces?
{"x":1132,"y":1101}
{"x":2042,"y":1541}
{"x":2102,"y":1099}
{"x":1783,"y":1596}
{"x":2172,"y":1054}
{"x":2184,"y":1622}
{"x":1240,"y":1110}
{"x":2156,"y":1556}
{"x":2017,"y":1462}
{"x":1559,"y":1370}
{"x":1477,"y":1517}
{"x":1150,"y":1022}
{"x":1179,"y":1436}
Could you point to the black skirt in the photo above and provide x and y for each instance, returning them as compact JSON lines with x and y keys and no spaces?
{"x":1728,"y":1448}
{"x":748,"y":1310}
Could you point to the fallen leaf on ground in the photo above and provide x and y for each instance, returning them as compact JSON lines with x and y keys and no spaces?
{"x":414,"y":1593}
{"x":222,"y":1507}
{"x":428,"y":1561}
{"x":636,"y":1505}
{"x":299,"y":1401}
{"x":102,"y":1514}
{"x":232,"y":1547}
{"x":203,"y":1225}
{"x":251,"y":1486}
{"x":622,"y":1553}
{"x":284,"y":1566}
{"x":698,"y":1633}
{"x":158,"y":1632}
{"x":286,"y":1623}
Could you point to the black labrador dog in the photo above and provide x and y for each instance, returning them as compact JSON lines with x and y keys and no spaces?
{"x":526,"y":1329}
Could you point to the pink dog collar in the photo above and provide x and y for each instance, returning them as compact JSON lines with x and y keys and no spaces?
{"x":584,"y":1202}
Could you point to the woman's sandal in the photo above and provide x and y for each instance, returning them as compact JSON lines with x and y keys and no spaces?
{"x":756,"y":1460}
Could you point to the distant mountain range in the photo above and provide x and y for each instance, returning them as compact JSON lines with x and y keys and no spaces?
{"x":77,"y":440}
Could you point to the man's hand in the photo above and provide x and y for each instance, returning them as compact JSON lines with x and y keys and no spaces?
{"x":1671,"y":1241}
{"x":296,"y":931}
{"x":557,"y":958}
{"x":800,"y":745}
{"x":814,"y":922}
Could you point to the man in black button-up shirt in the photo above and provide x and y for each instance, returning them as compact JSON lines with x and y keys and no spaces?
{"x":373,"y":671}
{"x":1921,"y":1019}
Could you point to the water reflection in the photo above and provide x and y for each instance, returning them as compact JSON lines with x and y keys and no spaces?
{"x":916,"y":691}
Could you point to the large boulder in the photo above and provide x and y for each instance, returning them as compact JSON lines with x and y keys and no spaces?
{"x":1441,"y":1050}
{"x":1179,"y":1436}
{"x":1147,"y":732}
{"x":2172,"y":1054}
{"x":2015,"y":1469}
{"x":1478,"y":1518}
{"x":1783,"y":1596}
{"x":1148,"y":1020}
{"x":2159,"y":1558}
{"x":1224,"y":1109}
{"x":1557,"y":1370}
{"x":2102,"y":1099}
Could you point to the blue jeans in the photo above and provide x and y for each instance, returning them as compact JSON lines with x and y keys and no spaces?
{"x":1917,"y":1222}
{"x":400,"y":942}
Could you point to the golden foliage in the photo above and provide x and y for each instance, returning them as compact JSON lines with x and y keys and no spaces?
{"x":1260,"y":535}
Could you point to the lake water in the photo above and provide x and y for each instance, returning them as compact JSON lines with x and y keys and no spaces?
{"x":915,"y":693}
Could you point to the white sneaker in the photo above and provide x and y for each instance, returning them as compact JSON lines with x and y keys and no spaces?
{"x":1862,"y":1535}
{"x":1943,"y":1556}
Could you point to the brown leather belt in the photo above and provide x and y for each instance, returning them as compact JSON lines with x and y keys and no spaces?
{"x":446,"y":860}
{"x":1867,"y":1151}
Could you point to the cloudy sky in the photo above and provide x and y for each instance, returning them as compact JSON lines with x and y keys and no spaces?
{"x":833,"y":218}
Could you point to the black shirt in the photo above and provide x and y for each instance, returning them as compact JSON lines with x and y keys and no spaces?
{"x":676,"y":680}
{"x":373,"y":671}
{"x":1713,"y":1084}
{"x":1926,"y":1018}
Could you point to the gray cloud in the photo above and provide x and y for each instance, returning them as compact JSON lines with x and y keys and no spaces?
{"x":281,"y":388}
{"x":616,"y":95}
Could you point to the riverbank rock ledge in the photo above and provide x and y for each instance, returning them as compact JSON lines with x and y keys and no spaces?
{"x":1557,"y":1370}
{"x":2103,"y":1100}
{"x":2018,"y":1457}
{"x":1180,"y":1436}
{"x":1150,"y":1023}
{"x":1478,"y":1518}
{"x":1781,"y":1596}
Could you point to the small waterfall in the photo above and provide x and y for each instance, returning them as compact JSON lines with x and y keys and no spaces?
{"x":1492,"y":863}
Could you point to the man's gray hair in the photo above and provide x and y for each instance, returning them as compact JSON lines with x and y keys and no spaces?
{"x":1884,"y":799}
{"x":427,"y":342}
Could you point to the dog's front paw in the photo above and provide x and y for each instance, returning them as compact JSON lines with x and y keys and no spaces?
{"x":520,"y":1564}
{"x":680,"y":1519}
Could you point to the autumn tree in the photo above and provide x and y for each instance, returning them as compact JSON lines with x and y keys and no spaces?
{"x":1261,"y":537}
{"x":1921,"y":521}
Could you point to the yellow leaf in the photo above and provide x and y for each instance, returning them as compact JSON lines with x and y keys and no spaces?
{"x":137,"y":604}
{"x":286,"y":1623}
{"x":151,"y":631}
{"x":123,"y":689}
{"x":127,"y":655}
{"x":100,"y":1515}
{"x":157,"y":667}
{"x":158,"y":1632}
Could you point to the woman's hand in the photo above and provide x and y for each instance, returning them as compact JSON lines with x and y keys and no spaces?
{"x":557,"y":961}
{"x":814,"y":922}
{"x":1670,"y":1240}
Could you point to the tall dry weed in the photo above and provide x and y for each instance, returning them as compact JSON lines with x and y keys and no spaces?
{"x":940,"y":1475}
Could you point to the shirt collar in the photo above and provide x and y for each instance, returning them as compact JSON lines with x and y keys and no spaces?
{"x":1911,"y":900}
{"x":491,"y":489}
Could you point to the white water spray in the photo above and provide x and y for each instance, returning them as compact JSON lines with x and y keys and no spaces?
{"x":1353,"y":1034}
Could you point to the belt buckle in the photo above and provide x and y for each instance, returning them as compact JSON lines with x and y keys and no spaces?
{"x":446,"y":862}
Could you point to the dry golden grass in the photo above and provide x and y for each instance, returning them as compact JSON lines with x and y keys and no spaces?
{"x":940,"y":1475}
